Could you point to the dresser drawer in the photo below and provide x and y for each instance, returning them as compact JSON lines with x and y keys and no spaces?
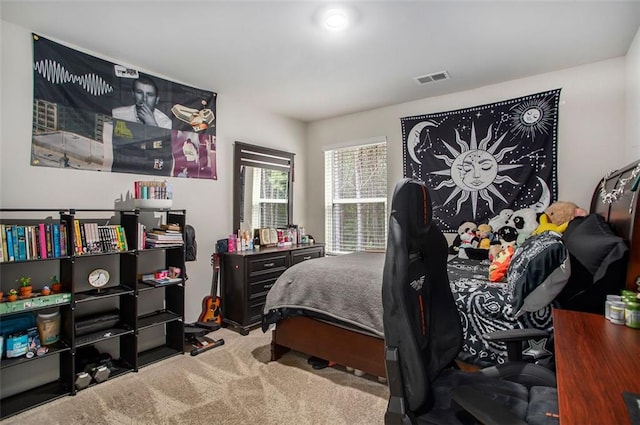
{"x":305,"y":254}
{"x":271,"y":264}
{"x":261,"y":286}
{"x":256,"y":307}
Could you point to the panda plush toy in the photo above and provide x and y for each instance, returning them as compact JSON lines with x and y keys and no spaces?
{"x":525,"y":221}
{"x":466,"y":235}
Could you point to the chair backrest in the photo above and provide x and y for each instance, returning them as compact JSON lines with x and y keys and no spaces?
{"x":420,"y":318}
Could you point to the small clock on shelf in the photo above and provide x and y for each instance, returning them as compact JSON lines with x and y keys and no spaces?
{"x":98,"y":278}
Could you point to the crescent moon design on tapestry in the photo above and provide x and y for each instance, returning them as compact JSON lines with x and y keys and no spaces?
{"x":414,"y":139}
{"x":545,"y":198}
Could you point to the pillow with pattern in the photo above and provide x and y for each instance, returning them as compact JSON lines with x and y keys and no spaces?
{"x":538,"y":271}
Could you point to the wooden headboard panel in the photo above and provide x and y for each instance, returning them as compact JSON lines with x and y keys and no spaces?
{"x":621,"y":209}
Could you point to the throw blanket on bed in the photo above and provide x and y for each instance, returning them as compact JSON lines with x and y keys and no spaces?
{"x":346,"y":288}
{"x":485,"y":307}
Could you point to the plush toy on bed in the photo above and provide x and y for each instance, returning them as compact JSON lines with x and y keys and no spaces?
{"x":466,"y":231}
{"x":501,"y":260}
{"x":557,"y":217}
{"x":500,"y":220}
{"x":485,"y":236}
{"x":468,"y":240}
{"x":525,"y":221}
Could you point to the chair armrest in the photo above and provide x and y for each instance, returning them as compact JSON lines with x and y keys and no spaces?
{"x":513,"y":339}
{"x":483,"y":408}
{"x":515,"y":335}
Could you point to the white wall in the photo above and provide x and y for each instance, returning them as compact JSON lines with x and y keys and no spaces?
{"x":633,"y":98}
{"x":208,"y":202}
{"x":591,"y":129}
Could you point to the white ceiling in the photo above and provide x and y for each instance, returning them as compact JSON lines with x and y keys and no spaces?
{"x":275,"y":56}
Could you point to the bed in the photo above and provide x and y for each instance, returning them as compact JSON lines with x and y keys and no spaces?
{"x":358,"y":342}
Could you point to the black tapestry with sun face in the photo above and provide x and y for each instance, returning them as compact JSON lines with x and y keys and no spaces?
{"x":480,"y":160}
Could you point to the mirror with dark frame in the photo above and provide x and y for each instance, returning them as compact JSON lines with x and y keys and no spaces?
{"x":262,"y":187}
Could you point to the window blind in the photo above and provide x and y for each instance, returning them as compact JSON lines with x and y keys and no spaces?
{"x":270,"y":198}
{"x":356,"y":198}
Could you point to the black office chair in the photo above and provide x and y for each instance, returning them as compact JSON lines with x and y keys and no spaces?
{"x":423,"y":336}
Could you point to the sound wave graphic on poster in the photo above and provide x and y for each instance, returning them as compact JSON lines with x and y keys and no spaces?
{"x":55,"y":73}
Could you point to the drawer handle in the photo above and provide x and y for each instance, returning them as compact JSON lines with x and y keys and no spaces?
{"x":308,"y":257}
{"x":269,"y":264}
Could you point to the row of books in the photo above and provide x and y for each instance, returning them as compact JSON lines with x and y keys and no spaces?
{"x":29,"y":242}
{"x":166,"y":235}
{"x":92,"y":238}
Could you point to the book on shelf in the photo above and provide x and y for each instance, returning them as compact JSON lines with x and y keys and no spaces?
{"x":47,"y":229}
{"x":14,"y":230}
{"x":3,"y":242}
{"x":162,"y":281}
{"x":55,"y":239}
{"x":150,"y":243}
{"x":141,"y":236}
{"x":63,"y":239}
{"x":172,"y":227}
{"x":5,"y":252}
{"x":77,"y":239}
{"x":165,"y":237}
{"x":42,"y":241}
{"x":22,"y":244}
{"x":11,"y":254}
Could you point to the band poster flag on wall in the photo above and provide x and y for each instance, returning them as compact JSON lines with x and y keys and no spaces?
{"x":92,"y":114}
{"x":478,"y":161}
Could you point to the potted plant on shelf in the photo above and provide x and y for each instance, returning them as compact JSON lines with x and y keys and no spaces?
{"x":56,"y":286}
{"x":26,"y":288}
{"x":46,"y":291}
{"x":13,"y":295}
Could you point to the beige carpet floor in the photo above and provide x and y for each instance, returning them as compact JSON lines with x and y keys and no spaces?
{"x":233,"y":384}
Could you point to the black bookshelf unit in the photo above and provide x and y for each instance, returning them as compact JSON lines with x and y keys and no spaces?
{"x":128,"y":322}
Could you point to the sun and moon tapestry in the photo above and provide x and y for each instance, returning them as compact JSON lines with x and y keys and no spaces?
{"x":92,"y":114}
{"x":480,"y":160}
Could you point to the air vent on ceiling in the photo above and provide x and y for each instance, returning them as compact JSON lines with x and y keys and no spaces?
{"x":436,"y":76}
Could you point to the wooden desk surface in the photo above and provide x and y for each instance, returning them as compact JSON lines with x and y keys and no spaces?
{"x":596,"y":361}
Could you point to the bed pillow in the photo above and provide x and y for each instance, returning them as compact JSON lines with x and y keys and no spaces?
{"x":592,"y":242}
{"x":538,"y":271}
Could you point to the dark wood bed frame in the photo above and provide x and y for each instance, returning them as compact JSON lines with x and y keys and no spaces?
{"x":366,"y":352}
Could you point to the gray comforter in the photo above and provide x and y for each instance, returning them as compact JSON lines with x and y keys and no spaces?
{"x":354,"y":296}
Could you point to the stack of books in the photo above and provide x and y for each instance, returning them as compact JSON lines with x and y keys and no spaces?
{"x":166,"y":235}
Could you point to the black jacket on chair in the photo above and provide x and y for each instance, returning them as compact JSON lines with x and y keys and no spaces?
{"x":423,"y":336}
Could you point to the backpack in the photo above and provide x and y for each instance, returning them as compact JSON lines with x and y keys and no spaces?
{"x":191,"y":246}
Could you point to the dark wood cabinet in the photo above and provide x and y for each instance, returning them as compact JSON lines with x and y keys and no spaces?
{"x":247,"y":276}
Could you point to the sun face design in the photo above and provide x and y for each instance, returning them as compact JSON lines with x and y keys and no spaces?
{"x":474,"y":170}
{"x":531,"y":116}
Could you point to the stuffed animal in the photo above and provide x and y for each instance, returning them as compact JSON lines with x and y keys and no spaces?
{"x":467,"y":240}
{"x":500,"y":220}
{"x":466,"y":229}
{"x":485,"y":235}
{"x":557,"y":217}
{"x":501,"y":260}
{"x":525,"y":222}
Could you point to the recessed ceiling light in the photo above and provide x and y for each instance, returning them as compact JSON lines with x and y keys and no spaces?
{"x":336,"y":19}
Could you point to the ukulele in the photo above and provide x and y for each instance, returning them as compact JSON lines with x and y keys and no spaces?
{"x":211,"y":303}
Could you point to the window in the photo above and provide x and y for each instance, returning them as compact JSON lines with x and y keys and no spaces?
{"x":270,"y":197}
{"x":356,"y":197}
